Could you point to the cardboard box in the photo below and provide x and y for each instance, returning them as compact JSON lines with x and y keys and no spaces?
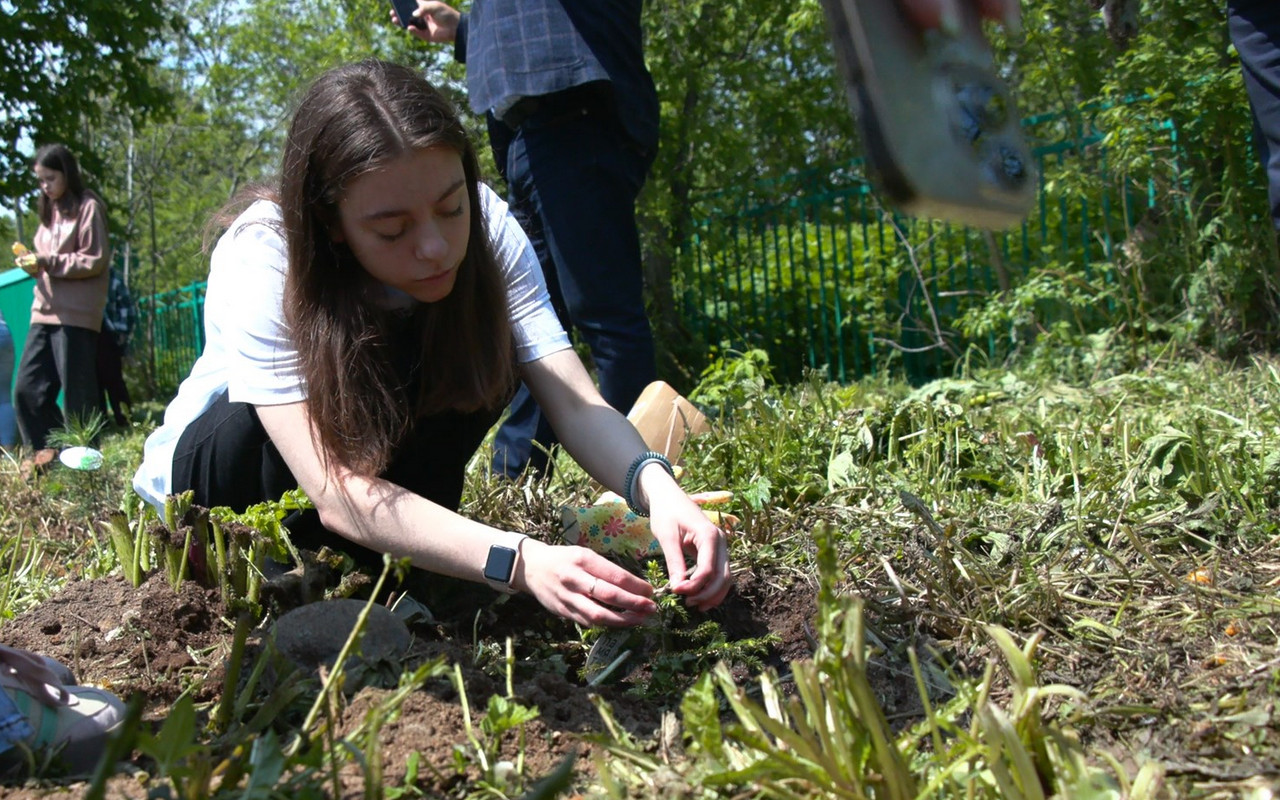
{"x":666,"y":419}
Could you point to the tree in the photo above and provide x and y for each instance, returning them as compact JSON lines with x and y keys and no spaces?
{"x":750,"y":99}
{"x":63,"y":63}
{"x":234,"y":71}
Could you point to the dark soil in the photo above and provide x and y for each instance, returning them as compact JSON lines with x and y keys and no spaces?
{"x":149,"y":639}
{"x":153,"y":641}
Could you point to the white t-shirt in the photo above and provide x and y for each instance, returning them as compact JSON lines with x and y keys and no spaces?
{"x":248,"y":352}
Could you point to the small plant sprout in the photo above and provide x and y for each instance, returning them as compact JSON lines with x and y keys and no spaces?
{"x":503,"y":714}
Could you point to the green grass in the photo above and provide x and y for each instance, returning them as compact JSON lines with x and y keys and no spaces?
{"x":1079,"y":577}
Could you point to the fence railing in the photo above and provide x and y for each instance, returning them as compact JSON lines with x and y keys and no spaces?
{"x":170,"y":334}
{"x":826,"y":278}
{"x":820,"y":276}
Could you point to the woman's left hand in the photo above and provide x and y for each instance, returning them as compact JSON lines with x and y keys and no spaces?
{"x":681,"y":528}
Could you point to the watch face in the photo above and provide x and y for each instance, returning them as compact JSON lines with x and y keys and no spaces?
{"x":501,"y":562}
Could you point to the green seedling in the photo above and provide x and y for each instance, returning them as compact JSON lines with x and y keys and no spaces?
{"x":127,"y":530}
{"x":502,"y":714}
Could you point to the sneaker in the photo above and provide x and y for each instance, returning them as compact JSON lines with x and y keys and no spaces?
{"x":70,"y":725}
{"x":59,"y":670}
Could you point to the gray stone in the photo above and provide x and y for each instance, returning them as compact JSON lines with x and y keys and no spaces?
{"x":314,"y":634}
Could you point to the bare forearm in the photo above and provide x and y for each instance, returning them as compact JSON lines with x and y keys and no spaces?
{"x":382,"y":516}
{"x":376,"y":513}
{"x":387,"y":518}
{"x":597,"y":436}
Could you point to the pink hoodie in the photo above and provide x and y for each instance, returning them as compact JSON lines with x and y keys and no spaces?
{"x":72,"y":290}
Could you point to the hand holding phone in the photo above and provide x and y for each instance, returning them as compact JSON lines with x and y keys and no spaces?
{"x":939,"y":126}
{"x":404,"y":13}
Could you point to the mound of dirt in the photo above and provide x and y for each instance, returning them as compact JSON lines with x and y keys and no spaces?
{"x":149,"y":639}
{"x":154,"y":641}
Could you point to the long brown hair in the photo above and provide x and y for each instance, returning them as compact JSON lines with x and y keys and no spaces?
{"x":352,"y":120}
{"x":60,"y":159}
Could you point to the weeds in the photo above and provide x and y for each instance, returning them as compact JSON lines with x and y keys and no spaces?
{"x":829,"y":736}
{"x":503,"y":713}
{"x":25,"y":566}
{"x":1068,"y":570}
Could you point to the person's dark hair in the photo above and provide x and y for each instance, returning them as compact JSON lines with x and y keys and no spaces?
{"x":58,"y":157}
{"x":352,"y":120}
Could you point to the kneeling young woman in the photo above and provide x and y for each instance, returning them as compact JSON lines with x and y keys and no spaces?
{"x":365,"y":325}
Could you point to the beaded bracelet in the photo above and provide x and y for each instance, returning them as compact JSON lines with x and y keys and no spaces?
{"x":643,"y":460}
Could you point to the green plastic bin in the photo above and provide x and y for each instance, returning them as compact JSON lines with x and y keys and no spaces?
{"x":16,"y":287}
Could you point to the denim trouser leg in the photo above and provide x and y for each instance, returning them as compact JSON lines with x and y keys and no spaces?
{"x":8,"y":425}
{"x":14,"y":727}
{"x":1255,"y":31}
{"x":573,"y":186}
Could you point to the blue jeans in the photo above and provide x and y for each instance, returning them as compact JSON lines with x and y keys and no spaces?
{"x":8,"y":425}
{"x":573,"y":181}
{"x":13,"y":723}
{"x":1255,"y":31}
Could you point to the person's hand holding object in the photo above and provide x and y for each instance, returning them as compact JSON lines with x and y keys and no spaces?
{"x":26,"y":260}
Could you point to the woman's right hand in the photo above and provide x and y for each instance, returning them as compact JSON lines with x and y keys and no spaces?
{"x":439,"y":20}
{"x":583,"y":586}
{"x":24,"y":259}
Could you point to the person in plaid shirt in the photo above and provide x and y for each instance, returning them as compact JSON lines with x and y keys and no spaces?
{"x":573,"y":115}
{"x":118,"y":319}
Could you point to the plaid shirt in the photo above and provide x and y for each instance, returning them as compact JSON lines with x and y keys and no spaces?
{"x":120,"y":315}
{"x":527,"y":48}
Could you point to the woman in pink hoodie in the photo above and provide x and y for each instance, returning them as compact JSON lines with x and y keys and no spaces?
{"x":70,"y":267}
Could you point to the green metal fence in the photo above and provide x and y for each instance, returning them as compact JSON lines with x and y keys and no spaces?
{"x":814,"y":271}
{"x":171,"y":335}
{"x":820,"y":276}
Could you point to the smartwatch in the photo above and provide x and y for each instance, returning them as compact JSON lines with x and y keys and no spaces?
{"x":500,"y":566}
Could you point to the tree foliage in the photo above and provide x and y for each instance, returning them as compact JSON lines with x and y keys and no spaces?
{"x":1170,"y":104}
{"x":235,"y":73}
{"x":750,"y":98}
{"x":65,"y":64}
{"x":174,"y":105}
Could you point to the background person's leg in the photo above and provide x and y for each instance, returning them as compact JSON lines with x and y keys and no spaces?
{"x":110,"y":371}
{"x":76,"y":353}
{"x":1255,"y":31}
{"x":35,"y":393}
{"x":580,"y":178}
{"x":525,"y":436}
